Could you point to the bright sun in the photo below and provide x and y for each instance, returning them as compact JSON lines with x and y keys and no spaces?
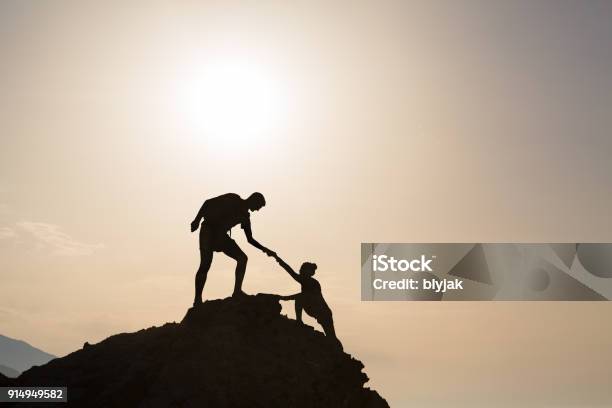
{"x":232,"y":102}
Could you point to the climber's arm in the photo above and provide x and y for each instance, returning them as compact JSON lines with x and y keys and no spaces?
{"x":196,"y":221}
{"x":290,"y":297}
{"x":246,"y":226}
{"x":289,"y":270}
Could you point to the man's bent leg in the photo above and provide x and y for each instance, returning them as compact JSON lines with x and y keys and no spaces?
{"x":298,"y":309}
{"x":206,"y":256}
{"x":233,"y":251}
{"x":327,"y":323}
{"x":328,"y":327}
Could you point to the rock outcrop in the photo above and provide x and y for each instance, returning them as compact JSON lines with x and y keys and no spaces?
{"x":234,"y":352}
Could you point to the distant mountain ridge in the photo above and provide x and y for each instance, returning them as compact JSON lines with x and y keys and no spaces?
{"x":20,"y":356}
{"x":9,"y":371}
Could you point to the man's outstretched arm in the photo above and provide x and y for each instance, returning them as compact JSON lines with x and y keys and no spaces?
{"x":286,"y":267}
{"x":246,"y":226}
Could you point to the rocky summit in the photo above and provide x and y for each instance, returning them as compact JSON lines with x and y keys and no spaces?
{"x":233,"y":352}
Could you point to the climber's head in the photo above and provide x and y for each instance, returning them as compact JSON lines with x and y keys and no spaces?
{"x":308,"y":269}
{"x":255,"y":201}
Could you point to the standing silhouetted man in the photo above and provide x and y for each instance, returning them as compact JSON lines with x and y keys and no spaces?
{"x":220,"y":214}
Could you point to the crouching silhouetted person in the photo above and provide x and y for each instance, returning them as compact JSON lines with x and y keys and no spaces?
{"x":310,"y":299}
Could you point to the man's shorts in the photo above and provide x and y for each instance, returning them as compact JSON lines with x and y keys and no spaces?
{"x":215,"y":240}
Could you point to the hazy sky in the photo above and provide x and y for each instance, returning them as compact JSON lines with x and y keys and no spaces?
{"x":433,"y":121}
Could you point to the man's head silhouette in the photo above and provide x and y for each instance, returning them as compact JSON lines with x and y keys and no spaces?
{"x":256,"y":201}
